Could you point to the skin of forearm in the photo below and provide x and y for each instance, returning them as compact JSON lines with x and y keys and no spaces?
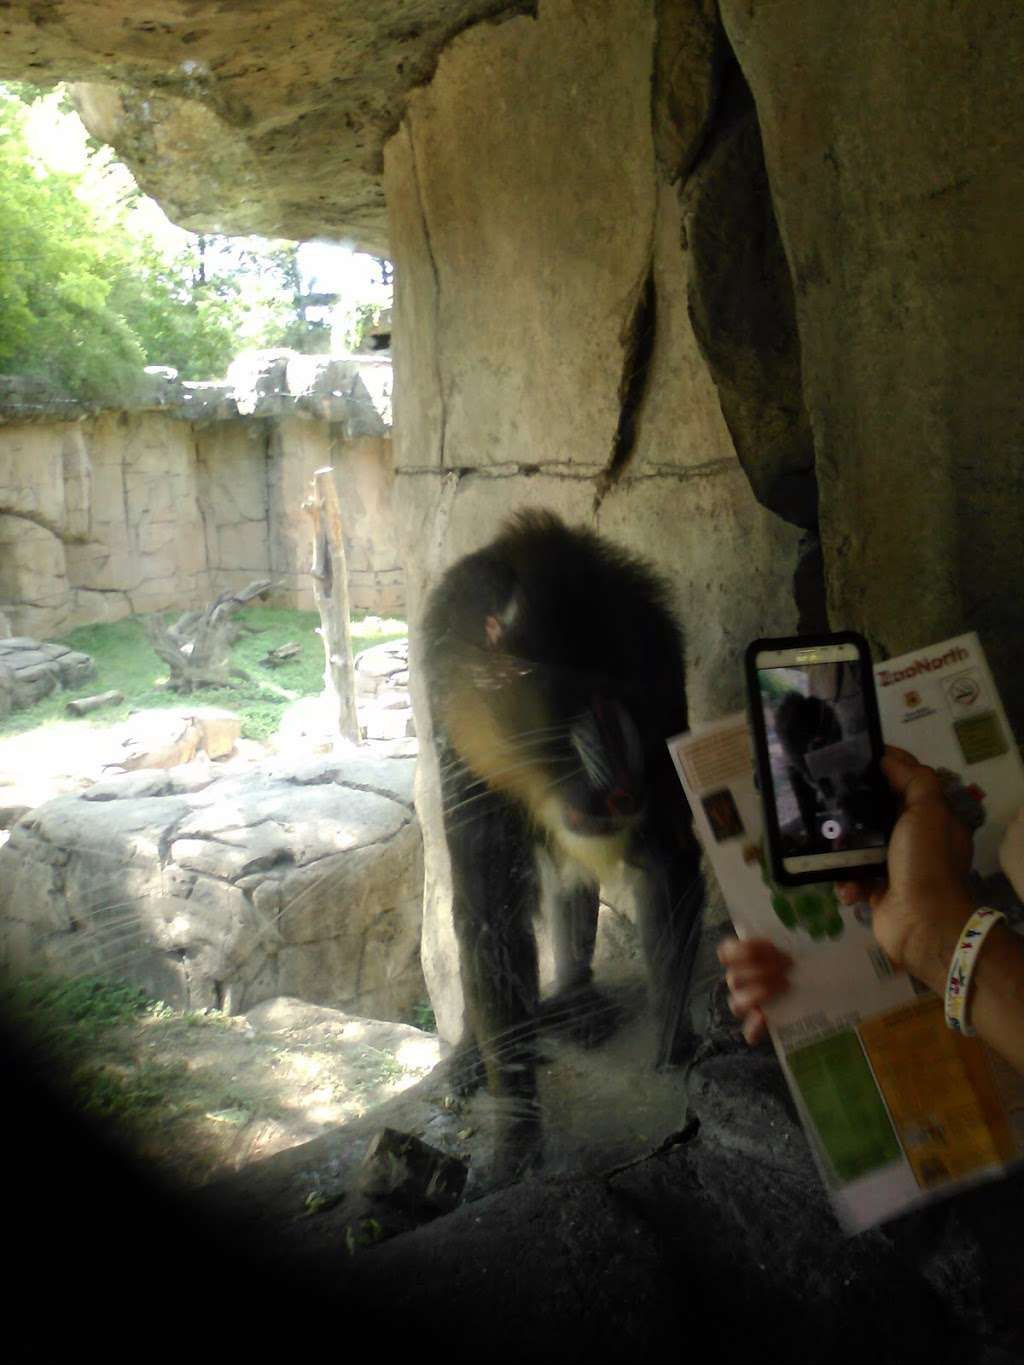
{"x":995,"y":1007}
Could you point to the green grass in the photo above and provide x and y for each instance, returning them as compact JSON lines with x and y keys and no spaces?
{"x":67,"y":1021}
{"x":71,"y":1012}
{"x":421,"y":1016}
{"x":82,"y":1037}
{"x":125,"y":661}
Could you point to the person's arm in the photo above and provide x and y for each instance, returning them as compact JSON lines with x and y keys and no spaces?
{"x":918,"y":916}
{"x":920,"y":913}
{"x":995,"y":1007}
{"x":997,"y":995}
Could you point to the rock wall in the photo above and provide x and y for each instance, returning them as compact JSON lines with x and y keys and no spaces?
{"x":893,"y":141}
{"x":220,"y":889}
{"x":121,"y":512}
{"x":544,"y":351}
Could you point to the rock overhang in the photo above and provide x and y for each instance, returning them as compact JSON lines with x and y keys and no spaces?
{"x":267,"y":117}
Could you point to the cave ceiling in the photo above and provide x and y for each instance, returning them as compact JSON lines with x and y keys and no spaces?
{"x":245,"y":116}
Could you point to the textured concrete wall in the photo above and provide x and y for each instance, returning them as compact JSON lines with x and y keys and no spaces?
{"x":894,"y":143}
{"x":142,"y":539}
{"x":231,"y":458}
{"x":544,"y":355}
{"x":136,"y":512}
{"x":364,"y":472}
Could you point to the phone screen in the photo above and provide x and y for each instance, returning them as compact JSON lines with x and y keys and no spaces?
{"x":822,"y":760}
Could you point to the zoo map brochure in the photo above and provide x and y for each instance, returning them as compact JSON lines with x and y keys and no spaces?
{"x":899,"y":1110}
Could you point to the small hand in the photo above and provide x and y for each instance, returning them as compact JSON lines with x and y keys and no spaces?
{"x":755,"y":971}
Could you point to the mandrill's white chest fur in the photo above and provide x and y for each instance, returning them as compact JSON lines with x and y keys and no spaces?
{"x":595,"y":858}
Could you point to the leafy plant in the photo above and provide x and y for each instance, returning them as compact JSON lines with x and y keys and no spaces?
{"x":423,"y":1016}
{"x":88,"y":293}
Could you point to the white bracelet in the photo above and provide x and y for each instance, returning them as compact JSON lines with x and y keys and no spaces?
{"x":958,"y":982}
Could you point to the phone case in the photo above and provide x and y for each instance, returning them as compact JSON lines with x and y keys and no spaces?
{"x":764,"y":774}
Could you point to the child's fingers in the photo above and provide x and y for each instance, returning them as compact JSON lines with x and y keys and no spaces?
{"x":751,"y":952}
{"x":772,"y":978}
{"x":755,"y":993}
{"x":756,"y":972}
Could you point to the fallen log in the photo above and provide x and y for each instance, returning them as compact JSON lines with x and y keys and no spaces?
{"x":82,"y":705}
{"x":275,"y":657}
{"x":197,"y":647}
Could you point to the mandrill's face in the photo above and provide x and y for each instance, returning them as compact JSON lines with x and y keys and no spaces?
{"x":562,"y":741}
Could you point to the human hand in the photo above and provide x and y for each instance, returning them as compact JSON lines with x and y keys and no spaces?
{"x":919,"y":911}
{"x":755,"y":971}
{"x":1011,"y":853}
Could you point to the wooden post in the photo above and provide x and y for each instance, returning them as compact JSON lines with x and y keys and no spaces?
{"x":330,"y":591}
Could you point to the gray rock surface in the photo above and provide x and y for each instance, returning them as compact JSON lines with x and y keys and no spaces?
{"x":291,"y":878}
{"x":382,"y":684}
{"x":895,"y":166}
{"x":170,"y":738}
{"x":742,"y":309}
{"x":30,"y":670}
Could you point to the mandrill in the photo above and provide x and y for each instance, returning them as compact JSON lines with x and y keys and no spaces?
{"x":555,"y":674}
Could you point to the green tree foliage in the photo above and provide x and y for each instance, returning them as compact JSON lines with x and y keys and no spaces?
{"x":88,"y":296}
{"x":181,"y":318}
{"x":55,"y":278}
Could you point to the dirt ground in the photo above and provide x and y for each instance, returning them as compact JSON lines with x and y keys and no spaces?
{"x":201,"y":1095}
{"x":287,"y":1098}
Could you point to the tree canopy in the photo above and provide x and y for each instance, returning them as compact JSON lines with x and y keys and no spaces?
{"x":89,"y":296}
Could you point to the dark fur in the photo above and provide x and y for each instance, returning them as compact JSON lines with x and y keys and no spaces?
{"x":802,"y":725}
{"x":554,"y":627}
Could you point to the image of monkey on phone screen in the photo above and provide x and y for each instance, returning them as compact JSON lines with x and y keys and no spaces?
{"x":820,"y":756}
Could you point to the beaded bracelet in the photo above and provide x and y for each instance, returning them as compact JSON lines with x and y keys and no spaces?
{"x":958,"y":982}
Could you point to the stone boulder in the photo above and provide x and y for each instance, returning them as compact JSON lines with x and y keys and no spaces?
{"x":346,"y":389}
{"x":38,"y":765}
{"x":30,"y":671}
{"x":167,"y":739}
{"x":293,"y":878}
{"x":383,"y":667}
{"x":382,"y":687}
{"x":309,"y":725}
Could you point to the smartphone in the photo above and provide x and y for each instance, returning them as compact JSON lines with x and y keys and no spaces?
{"x":828,"y":809}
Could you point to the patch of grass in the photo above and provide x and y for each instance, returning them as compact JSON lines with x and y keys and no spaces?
{"x":71,"y":1014}
{"x":110,"y":1051}
{"x":69,"y":1022}
{"x":126,"y":1096}
{"x":422,"y":1016}
{"x":126,"y":662}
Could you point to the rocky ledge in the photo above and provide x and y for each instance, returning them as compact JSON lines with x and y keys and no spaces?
{"x":351,"y":390}
{"x":299,"y":878}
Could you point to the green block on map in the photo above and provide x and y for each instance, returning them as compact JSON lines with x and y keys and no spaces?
{"x":845,"y":1105}
{"x":980,"y":737}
